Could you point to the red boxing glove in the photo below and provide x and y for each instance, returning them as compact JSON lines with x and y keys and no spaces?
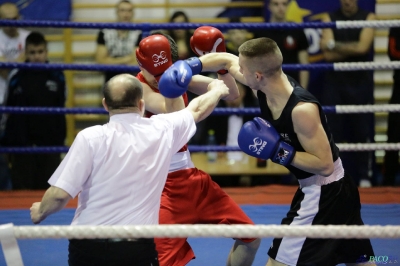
{"x":206,"y":40}
{"x":154,"y":55}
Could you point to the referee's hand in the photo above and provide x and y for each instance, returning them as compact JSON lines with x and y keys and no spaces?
{"x":35,"y":214}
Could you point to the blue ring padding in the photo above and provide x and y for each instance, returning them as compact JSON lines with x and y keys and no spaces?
{"x":133,"y":69}
{"x":145,"y":27}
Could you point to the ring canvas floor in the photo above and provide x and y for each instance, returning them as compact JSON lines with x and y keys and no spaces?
{"x":380,"y":206}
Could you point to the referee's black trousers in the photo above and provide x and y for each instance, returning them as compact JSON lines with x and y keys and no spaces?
{"x":112,"y":252}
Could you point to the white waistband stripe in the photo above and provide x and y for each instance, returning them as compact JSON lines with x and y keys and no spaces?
{"x":319,"y":180}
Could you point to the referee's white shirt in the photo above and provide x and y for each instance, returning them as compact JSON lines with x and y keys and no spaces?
{"x":120,"y":168}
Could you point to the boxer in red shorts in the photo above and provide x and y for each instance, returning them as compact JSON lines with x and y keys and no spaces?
{"x":189,"y":196}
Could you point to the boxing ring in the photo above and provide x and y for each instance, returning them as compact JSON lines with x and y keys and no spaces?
{"x":17,"y":233}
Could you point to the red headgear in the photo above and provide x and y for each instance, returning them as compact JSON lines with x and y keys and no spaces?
{"x":154,"y":55}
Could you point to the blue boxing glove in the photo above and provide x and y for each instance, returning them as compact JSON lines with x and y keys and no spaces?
{"x":259,"y":139}
{"x":195,"y":65}
{"x":175,"y":80}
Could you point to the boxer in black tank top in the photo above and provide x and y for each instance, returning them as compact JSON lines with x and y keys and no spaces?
{"x":286,"y":129}
{"x":292,"y":118}
{"x":323,"y":202}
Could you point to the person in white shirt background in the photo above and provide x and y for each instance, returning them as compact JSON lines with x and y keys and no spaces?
{"x":12,"y":47}
{"x":117,"y":46}
{"x":12,"y":44}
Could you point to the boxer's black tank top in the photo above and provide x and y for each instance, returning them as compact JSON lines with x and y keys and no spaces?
{"x":284,"y":124}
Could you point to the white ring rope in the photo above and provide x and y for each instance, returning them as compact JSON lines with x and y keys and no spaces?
{"x":367,"y":24}
{"x":343,"y":147}
{"x":347,"y":109}
{"x":368,"y":146}
{"x":354,"y":66}
{"x":234,"y":231}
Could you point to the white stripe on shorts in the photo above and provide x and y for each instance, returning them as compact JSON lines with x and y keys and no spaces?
{"x":290,"y":247}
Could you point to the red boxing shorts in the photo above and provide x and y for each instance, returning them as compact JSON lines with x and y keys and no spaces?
{"x":191,"y":197}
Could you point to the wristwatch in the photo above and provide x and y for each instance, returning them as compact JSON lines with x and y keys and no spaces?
{"x":330,"y":44}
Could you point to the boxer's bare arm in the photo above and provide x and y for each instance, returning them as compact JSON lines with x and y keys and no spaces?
{"x":202,"y":106}
{"x":216,"y":61}
{"x":173,"y":104}
{"x":157,"y":104}
{"x":199,"y":85}
{"x":317,"y":157}
{"x":230,"y":82}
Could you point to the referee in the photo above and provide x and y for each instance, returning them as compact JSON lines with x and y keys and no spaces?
{"x":119,"y":170}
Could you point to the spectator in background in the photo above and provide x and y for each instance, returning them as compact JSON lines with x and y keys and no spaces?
{"x":35,"y":88}
{"x":235,"y":37}
{"x":292,"y":42}
{"x":12,"y":43}
{"x":391,"y":163}
{"x":117,"y":47}
{"x":181,"y":36}
{"x":350,"y":87}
